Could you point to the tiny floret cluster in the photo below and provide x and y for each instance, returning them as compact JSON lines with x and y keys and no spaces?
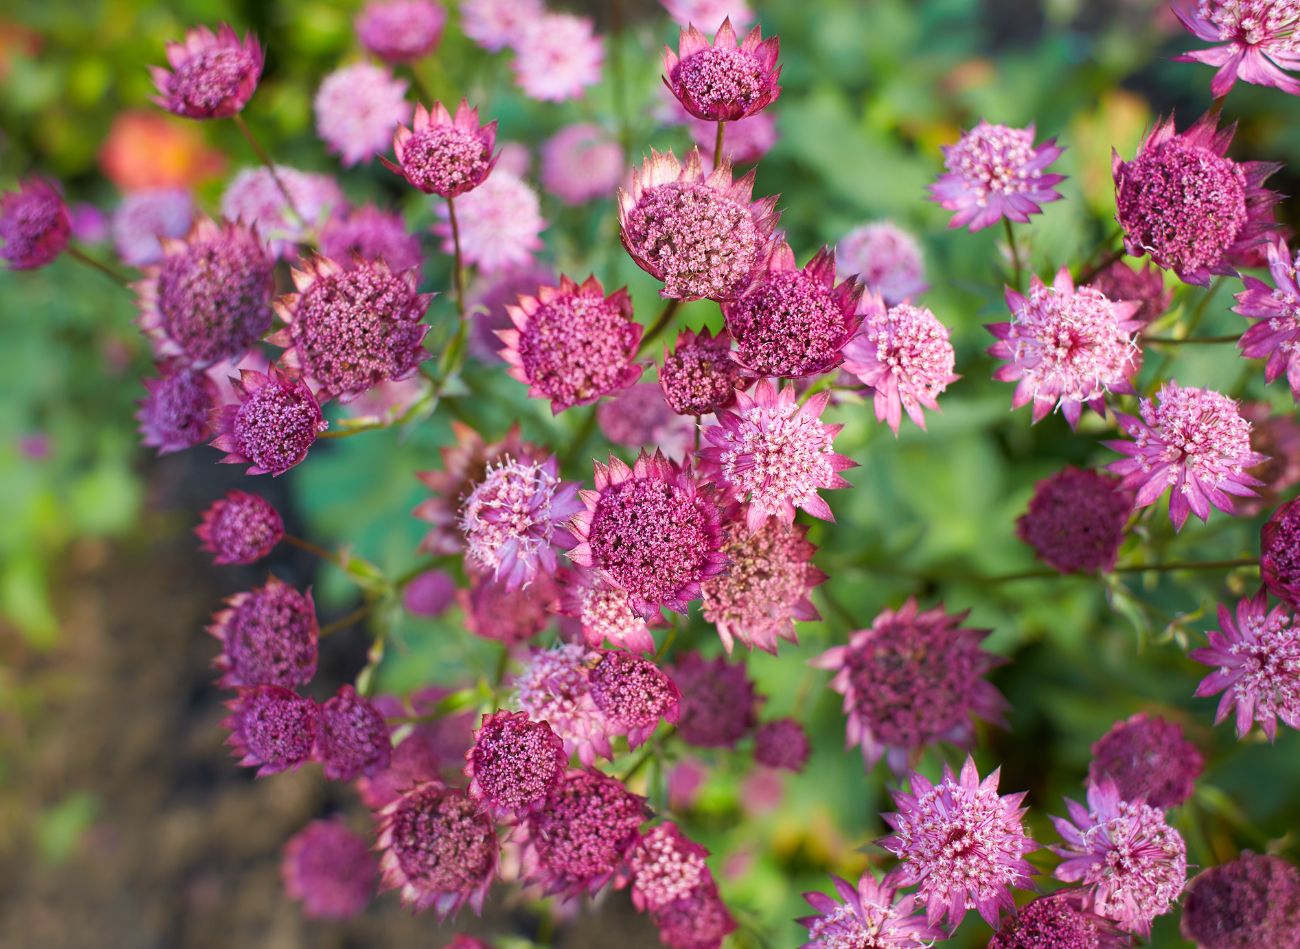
{"x":1148,"y":758}
{"x":871,"y":915}
{"x":443,"y":155}
{"x":358,"y":108}
{"x":1257,"y":41}
{"x":1279,"y":553}
{"x":1076,"y":520}
{"x":274,"y":424}
{"x":515,"y":763}
{"x":724,"y":81}
{"x":212,"y":75}
{"x":34,"y":224}
{"x":1275,"y":335}
{"x":996,"y":172}
{"x":1248,"y":902}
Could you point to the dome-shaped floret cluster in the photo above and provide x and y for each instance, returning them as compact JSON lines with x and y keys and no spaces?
{"x":240,"y":528}
{"x":557,"y":55}
{"x":1149,"y":759}
{"x":962,"y":843}
{"x":1066,"y":348}
{"x":500,"y":225}
{"x":650,"y":530}
{"x":724,"y":81}
{"x":358,"y":107}
{"x":1076,"y":519}
{"x":268,"y":636}
{"x":572,"y":344}
{"x":885,"y":258}
{"x":718,"y":704}
{"x":792,"y":322}
{"x":437,"y":848}
{"x":494,"y":611}
{"x":871,"y":915}
{"x":996,"y":172}
{"x":176,"y":411}
{"x":1255,"y":653}
{"x":1057,"y":921}
{"x":370,"y":234}
{"x":1131,"y":863}
{"x":702,"y":236}
{"x":554,"y":687}
{"x":903,"y":355}
{"x":912,"y":679}
{"x":274,"y":424}
{"x":329,"y":869}
{"x":782,"y":744}
{"x":515,"y":763}
{"x":699,"y":376}
{"x":271,"y":728}
{"x":603,"y":612}
{"x":442,"y":155}
{"x":1276,"y":335}
{"x":581,"y":163}
{"x":1192,"y":442}
{"x":1279,"y":553}
{"x":34,"y":224}
{"x":1188,"y":206}
{"x":1125,"y":284}
{"x":1245,"y":903}
{"x":400,"y":31}
{"x":633,"y":694}
{"x":672,"y":882}
{"x":1258,"y":41}
{"x":212,"y":75}
{"x":353,"y":737}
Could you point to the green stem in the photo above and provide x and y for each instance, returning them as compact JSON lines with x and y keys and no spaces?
{"x":1193,"y":321}
{"x":659,"y":325}
{"x":270,"y":165}
{"x":457,"y":259}
{"x":580,"y":438}
{"x":361,"y":612}
{"x":1015,"y":251}
{"x":315,"y":550}
{"x":1199,"y":341}
{"x":82,"y":257}
{"x":717,"y":145}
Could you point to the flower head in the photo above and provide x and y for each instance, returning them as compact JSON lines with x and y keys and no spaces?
{"x":1193,"y":442}
{"x":1057,"y":921}
{"x":633,"y":694}
{"x":1251,"y":901}
{"x":699,"y":376}
{"x":1131,"y":863}
{"x":255,"y":199}
{"x":554,"y":688}
{"x":371,"y":235}
{"x":443,"y":155}
{"x":496,"y":24}
{"x":903,"y":355}
{"x":708,"y":12}
{"x":1258,"y":41}
{"x":1125,"y":284}
{"x":581,"y":163}
{"x":268,"y":636}
{"x":510,"y":616}
{"x":1188,"y":206}
{"x":1276,"y":335}
{"x":274,"y":424}
{"x":1256,"y":655}
{"x":994,"y":172}
{"x":557,"y":56}
{"x":1148,"y":758}
{"x":726,"y":81}
{"x":176,"y":412}
{"x":718,"y":706}
{"x":271,"y":728}
{"x":34,"y":224}
{"x":428,"y":750}
{"x":145,"y":216}
{"x":329,"y":869}
{"x":666,"y":866}
{"x":1066,"y":348}
{"x":603,"y":612}
{"x":212,"y":75}
{"x":885,"y":258}
{"x":401,"y":31}
{"x":353,"y":737}
{"x":698,"y":920}
{"x":1075,"y":520}
{"x":640,"y":416}
{"x":871,"y":915}
{"x":358,"y":107}
{"x":962,"y":843}
{"x":1279,"y":553}
{"x":912,"y":679}
{"x":782,"y":744}
{"x":500,"y":224}
{"x":515,"y":763}
{"x":572,"y":344}
{"x":702,"y":236}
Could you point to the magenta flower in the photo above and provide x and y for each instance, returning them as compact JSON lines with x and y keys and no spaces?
{"x":699,"y":920}
{"x":496,"y":24}
{"x":557,"y":57}
{"x":1248,"y":902}
{"x":603,"y":612}
{"x":718,"y":706}
{"x":273,"y":426}
{"x":212,"y":75}
{"x":437,"y":848}
{"x":666,"y":866}
{"x":904,"y":357}
{"x":633,"y":694}
{"x":271,"y":728}
{"x":571,"y":344}
{"x":430,"y":593}
{"x":176,"y":411}
{"x":34,"y":224}
{"x":702,"y":236}
{"x":240,"y":528}
{"x":1149,"y":759}
{"x":1259,"y":41}
{"x":554,"y":687}
{"x":782,"y":744}
{"x":699,"y":376}
{"x":1076,"y":520}
{"x":353,"y":738}
{"x":776,"y":454}
{"x":885,"y":258}
{"x":1131,"y":863}
{"x":581,"y":163}
{"x":994,"y":172}
{"x":640,"y":416}
{"x":401,"y":31}
{"x":1279,"y":553}
{"x":430,"y":748}
{"x":1256,"y":655}
{"x":145,"y":216}
{"x":1276,"y":337}
{"x":255,"y":199}
{"x":1188,"y":206}
{"x":726,"y":81}
{"x":1193,"y":442}
{"x":1057,"y":921}
{"x":329,"y":869}
{"x":500,"y":224}
{"x":494,"y":611}
{"x":1066,"y":348}
{"x":650,"y":530}
{"x":514,"y":764}
{"x":268,"y":636}
{"x":961,"y":843}
{"x":442,"y":155}
{"x":1145,"y":287}
{"x":373,"y":235}
{"x":792,"y":322}
{"x":872,"y":914}
{"x":358,"y":107}
{"x":912,"y":679}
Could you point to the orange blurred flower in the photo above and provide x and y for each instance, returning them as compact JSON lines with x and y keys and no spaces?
{"x":148,"y":150}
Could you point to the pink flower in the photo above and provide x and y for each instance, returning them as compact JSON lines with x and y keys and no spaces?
{"x":373,"y":235}
{"x":1130,"y":861}
{"x":1076,"y":520}
{"x":776,"y":454}
{"x":1279,"y":553}
{"x":443,"y":155}
{"x":603,"y":612}
{"x":268,"y":636}
{"x":994,"y":172}
{"x":699,"y":920}
{"x":639,"y":416}
{"x":1149,"y":759}
{"x":514,"y":764}
{"x":871,"y":915}
{"x":782,"y":744}
{"x":885,"y":258}
{"x":1276,"y":336}
{"x":557,"y":57}
{"x":329,"y":869}
{"x":699,"y":376}
{"x":1277,"y":438}
{"x":1251,"y":901}
{"x":1066,"y":348}
{"x":718,"y":704}
{"x":962,"y":843}
{"x":500,"y":224}
{"x":145,"y":216}
{"x":725,"y":81}
{"x":176,"y":412}
{"x":400,"y":31}
{"x":240,"y":528}
{"x":353,"y":738}
{"x":554,"y":688}
{"x":1258,"y":37}
{"x":496,"y":24}
{"x":429,"y":594}
{"x":1057,"y":921}
{"x":744,"y":143}
{"x":358,"y":107}
{"x":254,"y":199}
{"x":212,"y":76}
{"x":494,"y":611}
{"x":1256,"y":655}
{"x":708,"y":12}
{"x":1145,"y":287}
{"x":581,"y":163}
{"x":633,"y":694}
{"x":274,"y":424}
{"x":667,"y":866}
{"x":271,"y":728}
{"x":34,"y":224}
{"x":1191,"y":441}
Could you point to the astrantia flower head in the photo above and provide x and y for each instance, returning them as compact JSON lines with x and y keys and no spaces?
{"x":145,"y":216}
{"x":718,"y":706}
{"x":212,"y":75}
{"x":602,"y":611}
{"x":34,"y":224}
{"x":255,"y":199}
{"x":353,"y":737}
{"x":782,"y":744}
{"x":903,"y":355}
{"x":1066,"y":347}
{"x":1146,"y":287}
{"x":329,"y":869}
{"x":1248,"y":902}
{"x":767,"y":586}
{"x":176,"y":412}
{"x":1279,"y":553}
{"x":557,"y":56}
{"x":581,"y":163}
{"x":1259,"y":41}
{"x":400,"y":31}
{"x":1076,"y":519}
{"x":699,"y":920}
{"x":1193,"y":442}
{"x":633,"y":694}
{"x":271,"y":728}
{"x":775,"y":454}
{"x":699,"y":376}
{"x":639,"y":417}
{"x":702,"y":236}
{"x":429,"y":749}
{"x":871,"y":915}
{"x":358,"y":107}
{"x":571,"y":344}
{"x":792,"y":322}
{"x":914,"y":678}
{"x":1276,"y":335}
{"x":437,"y":848}
{"x":554,"y":688}
{"x":515,"y":763}
{"x":1188,"y":206}
{"x":496,"y":24}
{"x":500,"y":224}
{"x":495,"y":611}
{"x":346,"y":331}
{"x":443,"y":155}
{"x":209,"y":298}
{"x":961,"y":843}
{"x":666,"y":866}
{"x":1256,"y":655}
{"x":995,"y":172}
{"x":650,"y":530}
{"x":1057,"y":921}
{"x":724,"y":81}
{"x":371,"y":234}
{"x":580,"y":839}
{"x":887,"y":259}
{"x":1131,"y":863}
{"x":1149,"y":759}
{"x":268,"y":637}
{"x":274,"y":424}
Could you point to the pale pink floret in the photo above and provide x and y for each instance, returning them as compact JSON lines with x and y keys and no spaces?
{"x":1193,"y":442}
{"x":496,"y":24}
{"x":1276,"y":337}
{"x":1066,"y":347}
{"x":557,"y":57}
{"x":1131,"y":862}
{"x":904,"y":357}
{"x":1257,"y":654}
{"x":255,"y":199}
{"x":401,"y":31}
{"x":1260,"y":41}
{"x":724,"y":81}
{"x":962,"y":844}
{"x":553,"y":688}
{"x":581,"y":163}
{"x":995,"y":172}
{"x":500,"y":224}
{"x":603,"y":612}
{"x":709,"y":12}
{"x":358,"y":108}
{"x":871,"y":915}
{"x":212,"y":75}
{"x":886,"y":258}
{"x":444,"y":155}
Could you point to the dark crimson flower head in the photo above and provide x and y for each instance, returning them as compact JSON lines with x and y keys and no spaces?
{"x":871,"y":915}
{"x":1126,"y":284}
{"x":725,"y":81}
{"x":268,"y":636}
{"x":1279,"y":553}
{"x":400,"y":31}
{"x":442,"y":155}
{"x":1276,"y":437}
{"x":271,"y":728}
{"x":240,"y":528}
{"x":508,"y":615}
{"x":1057,"y":921}
{"x":718,"y":706}
{"x":275,"y":422}
{"x":329,"y":869}
{"x":699,"y":376}
{"x":176,"y":411}
{"x":1250,"y":902}
{"x":515,"y":764}
{"x":1257,"y":41}
{"x":1149,"y":759}
{"x":633,"y":694}
{"x":782,"y":744}
{"x":353,"y":738}
{"x":698,"y":920}
{"x":34,"y":224}
{"x":1076,"y":520}
{"x":995,"y":172}
{"x":212,"y":75}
